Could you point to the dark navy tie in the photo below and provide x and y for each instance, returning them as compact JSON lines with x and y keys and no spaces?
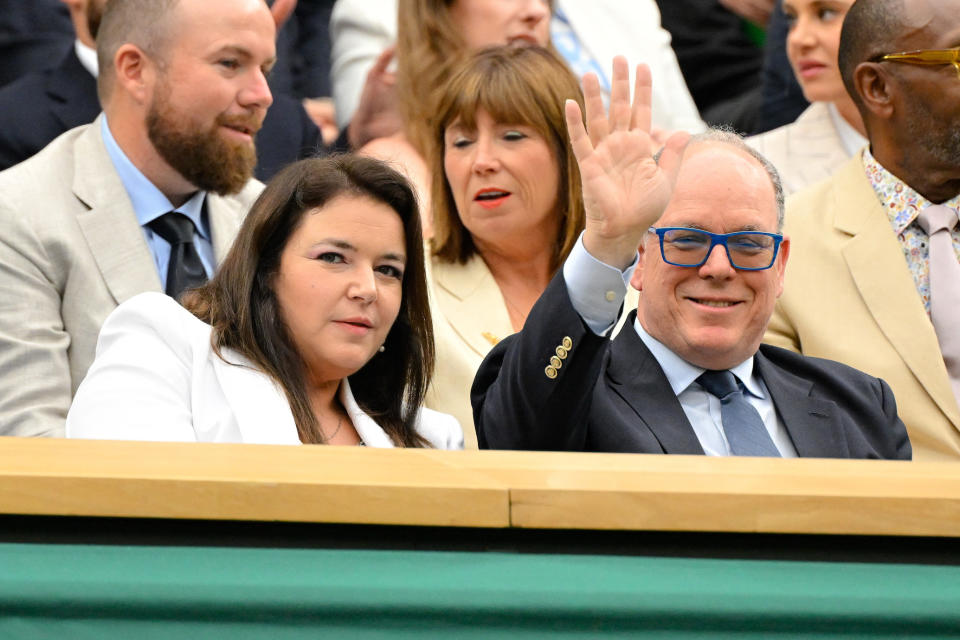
{"x":185,"y":269}
{"x":742,"y":423}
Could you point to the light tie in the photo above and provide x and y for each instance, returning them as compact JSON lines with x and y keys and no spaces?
{"x":746,"y":433}
{"x":938,"y":220}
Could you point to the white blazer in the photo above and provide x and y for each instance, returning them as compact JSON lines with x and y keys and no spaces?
{"x":805,"y":151}
{"x":157,"y":378}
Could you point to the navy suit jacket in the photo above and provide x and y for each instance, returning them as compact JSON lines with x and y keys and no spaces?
{"x":40,"y":106}
{"x":34,"y":34}
{"x":613,"y":396}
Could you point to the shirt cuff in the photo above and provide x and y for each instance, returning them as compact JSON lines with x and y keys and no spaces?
{"x":596,"y":289}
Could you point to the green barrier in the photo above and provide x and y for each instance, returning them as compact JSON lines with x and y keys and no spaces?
{"x":142,"y":593}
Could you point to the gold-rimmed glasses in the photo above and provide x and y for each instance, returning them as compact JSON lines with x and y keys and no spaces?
{"x":925,"y":57}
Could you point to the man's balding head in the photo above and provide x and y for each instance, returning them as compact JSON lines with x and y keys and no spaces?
{"x":714,"y":315}
{"x":870,"y":29}
{"x":184,"y":90}
{"x":144,"y":23}
{"x":723,"y":135}
{"x":911,"y":111}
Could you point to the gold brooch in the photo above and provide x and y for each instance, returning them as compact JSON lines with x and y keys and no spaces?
{"x":492,"y":339}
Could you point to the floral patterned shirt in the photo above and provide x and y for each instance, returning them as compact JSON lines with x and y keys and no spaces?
{"x":903,"y":205}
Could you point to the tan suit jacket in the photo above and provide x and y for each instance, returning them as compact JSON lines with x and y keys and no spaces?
{"x":849,"y":296}
{"x":71,"y":250}
{"x":469,"y":318}
{"x":805,"y":151}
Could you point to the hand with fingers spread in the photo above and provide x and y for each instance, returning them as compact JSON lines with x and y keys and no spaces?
{"x":624,"y":189}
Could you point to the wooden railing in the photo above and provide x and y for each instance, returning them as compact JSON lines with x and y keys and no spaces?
{"x":493,"y":489}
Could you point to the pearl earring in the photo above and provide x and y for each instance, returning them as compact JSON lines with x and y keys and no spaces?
{"x":382,"y":349}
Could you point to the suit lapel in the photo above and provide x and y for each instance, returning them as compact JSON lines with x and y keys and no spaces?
{"x":462,"y":291}
{"x":110,"y":225}
{"x":810,"y":422}
{"x":634,"y":375}
{"x":887,"y":286}
{"x":225,"y":217}
{"x":73,"y":93}
{"x":261,"y":409}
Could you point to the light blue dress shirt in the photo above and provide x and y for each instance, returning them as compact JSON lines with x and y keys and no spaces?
{"x":597,"y":291}
{"x":149,"y":203}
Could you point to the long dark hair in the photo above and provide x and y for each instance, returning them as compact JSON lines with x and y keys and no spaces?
{"x":240,"y":304}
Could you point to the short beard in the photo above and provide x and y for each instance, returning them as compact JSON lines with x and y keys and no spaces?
{"x":201,"y":156}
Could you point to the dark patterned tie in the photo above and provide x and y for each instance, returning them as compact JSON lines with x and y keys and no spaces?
{"x":742,"y":423}
{"x":185,"y":270}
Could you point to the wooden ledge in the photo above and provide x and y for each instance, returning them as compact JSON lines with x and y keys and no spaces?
{"x":478,"y":488}
{"x":243,"y":482}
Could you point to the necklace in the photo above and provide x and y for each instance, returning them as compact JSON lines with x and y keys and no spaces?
{"x":333,"y":435}
{"x":516,"y":312}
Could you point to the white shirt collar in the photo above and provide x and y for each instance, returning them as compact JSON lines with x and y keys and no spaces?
{"x":88,"y":57}
{"x":850,"y":138}
{"x":681,"y":374}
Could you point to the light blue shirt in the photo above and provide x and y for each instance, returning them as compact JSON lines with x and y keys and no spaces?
{"x":597,"y":291}
{"x":149,"y":203}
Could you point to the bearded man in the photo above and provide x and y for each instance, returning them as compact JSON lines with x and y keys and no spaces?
{"x":39,"y":106}
{"x":146,"y":198}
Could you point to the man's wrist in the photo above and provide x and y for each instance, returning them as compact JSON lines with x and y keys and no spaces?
{"x":618,"y":253}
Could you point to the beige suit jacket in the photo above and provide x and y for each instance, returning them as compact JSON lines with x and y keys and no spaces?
{"x":805,"y":151}
{"x":71,"y":250}
{"x":469,"y":317}
{"x":849,"y":296}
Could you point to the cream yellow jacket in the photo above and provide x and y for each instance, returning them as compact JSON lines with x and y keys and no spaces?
{"x":849,"y":296}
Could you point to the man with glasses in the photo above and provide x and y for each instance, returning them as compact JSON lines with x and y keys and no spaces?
{"x":875,"y":276}
{"x":687,"y":373}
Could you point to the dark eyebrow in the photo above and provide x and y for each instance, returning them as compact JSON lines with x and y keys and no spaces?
{"x":396,"y":257}
{"x":339,"y":244}
{"x":346,"y":246}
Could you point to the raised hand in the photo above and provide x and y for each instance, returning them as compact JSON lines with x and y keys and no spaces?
{"x":377,"y":114}
{"x":624,"y":189}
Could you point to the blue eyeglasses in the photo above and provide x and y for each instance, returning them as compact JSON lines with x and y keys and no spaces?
{"x":746,"y":250}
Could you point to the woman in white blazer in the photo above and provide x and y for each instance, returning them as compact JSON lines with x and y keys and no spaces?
{"x":830,"y":130}
{"x":316,"y":328}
